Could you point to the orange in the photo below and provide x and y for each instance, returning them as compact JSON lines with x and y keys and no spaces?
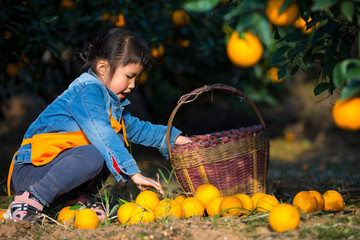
{"x":213,"y":207}
{"x":1,"y":215}
{"x":7,"y":35}
{"x":124,"y":211}
{"x":205,"y":192}
{"x":346,"y":114}
{"x":266,"y":203}
{"x":244,"y":52}
{"x":306,"y":202}
{"x":67,"y":4}
{"x":106,"y":16}
{"x":320,"y":200}
{"x":284,"y":217}
{"x":180,"y":198}
{"x":180,"y":17}
{"x":12,"y":69}
{"x":247,"y":203}
{"x":183,"y":43}
{"x":192,"y":207}
{"x":272,"y":74}
{"x":157,"y":52}
{"x":66,"y":215}
{"x":141,"y":215}
{"x":120,"y":20}
{"x":300,"y":23}
{"x":141,"y":80}
{"x":168,"y":207}
{"x":256,"y":197}
{"x":289,"y":137}
{"x":231,"y":206}
{"x":333,"y":201}
{"x":147,"y":199}
{"x":286,"y":18}
{"x":86,"y":219}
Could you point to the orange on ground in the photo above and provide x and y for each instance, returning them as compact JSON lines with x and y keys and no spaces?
{"x":167,"y":208}
{"x":147,"y":199}
{"x":247,"y":202}
{"x":256,"y":197}
{"x":86,"y":219}
{"x":231,"y":206}
{"x":120,"y":20}
{"x":192,"y":207}
{"x":206,"y":192}
{"x":272,"y":74}
{"x":244,"y":52}
{"x":320,"y":200}
{"x":333,"y":201}
{"x":1,"y":214}
{"x":213,"y":207}
{"x":66,"y":215}
{"x":286,"y":18}
{"x":346,"y":114}
{"x":141,"y":215}
{"x":124,"y":212}
{"x":266,"y":203}
{"x":289,"y":137}
{"x":157,"y":52}
{"x":180,"y":17}
{"x":180,"y":198}
{"x":306,"y":202}
{"x":284,"y":217}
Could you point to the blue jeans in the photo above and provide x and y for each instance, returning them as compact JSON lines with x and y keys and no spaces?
{"x":79,"y":169}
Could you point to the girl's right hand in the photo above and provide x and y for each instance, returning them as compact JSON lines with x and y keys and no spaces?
{"x":144,"y":183}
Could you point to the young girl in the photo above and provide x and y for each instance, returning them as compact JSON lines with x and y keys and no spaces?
{"x":78,"y":140}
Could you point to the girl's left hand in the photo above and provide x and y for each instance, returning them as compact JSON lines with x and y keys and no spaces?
{"x":182,"y":140}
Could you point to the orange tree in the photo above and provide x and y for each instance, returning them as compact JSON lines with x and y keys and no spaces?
{"x":317,"y":35}
{"x":39,"y":39}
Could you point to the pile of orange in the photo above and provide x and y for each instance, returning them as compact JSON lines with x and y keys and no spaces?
{"x":207,"y":201}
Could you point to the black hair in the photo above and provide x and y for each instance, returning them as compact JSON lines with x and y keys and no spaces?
{"x":117,"y":46}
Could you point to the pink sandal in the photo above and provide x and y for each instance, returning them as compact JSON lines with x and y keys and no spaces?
{"x":24,"y":207}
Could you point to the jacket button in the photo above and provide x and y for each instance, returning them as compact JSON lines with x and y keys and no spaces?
{"x":124,"y":169}
{"x":117,"y":110}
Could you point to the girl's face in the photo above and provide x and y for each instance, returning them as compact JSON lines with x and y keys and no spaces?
{"x":123,"y":80}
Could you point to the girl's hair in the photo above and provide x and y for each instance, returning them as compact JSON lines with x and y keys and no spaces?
{"x":117,"y":46}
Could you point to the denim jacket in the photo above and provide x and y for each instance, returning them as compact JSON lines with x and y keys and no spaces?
{"x":86,"y":105}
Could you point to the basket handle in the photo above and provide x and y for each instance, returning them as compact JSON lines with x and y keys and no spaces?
{"x":195,"y":93}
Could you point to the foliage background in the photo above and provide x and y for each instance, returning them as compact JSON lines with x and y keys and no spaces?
{"x":42,"y":37}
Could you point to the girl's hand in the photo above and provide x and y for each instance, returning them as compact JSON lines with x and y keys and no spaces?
{"x":182,"y":140}
{"x":144,"y":183}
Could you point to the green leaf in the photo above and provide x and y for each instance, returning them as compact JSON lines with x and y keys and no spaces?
{"x":351,"y":90}
{"x":348,"y":9}
{"x":323,"y":4}
{"x":320,"y":88}
{"x":345,"y":72}
{"x":200,"y":5}
{"x":75,"y":207}
{"x":282,"y":71}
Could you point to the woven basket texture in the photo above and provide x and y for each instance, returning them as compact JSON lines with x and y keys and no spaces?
{"x":234,"y":161}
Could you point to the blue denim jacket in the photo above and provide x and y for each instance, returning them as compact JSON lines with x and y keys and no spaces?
{"x":86,"y":105}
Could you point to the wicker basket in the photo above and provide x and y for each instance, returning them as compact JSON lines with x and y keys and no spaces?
{"x":235,"y":161}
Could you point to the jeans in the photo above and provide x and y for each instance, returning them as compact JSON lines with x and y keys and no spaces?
{"x":79,"y":169}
